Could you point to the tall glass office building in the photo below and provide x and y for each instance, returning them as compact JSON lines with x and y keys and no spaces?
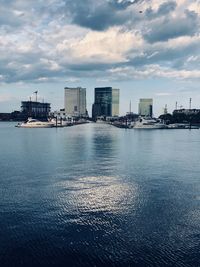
{"x":106,"y":102}
{"x":75,"y":101}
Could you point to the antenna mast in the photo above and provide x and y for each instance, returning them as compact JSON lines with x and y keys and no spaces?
{"x":165,"y":109}
{"x":190,"y":103}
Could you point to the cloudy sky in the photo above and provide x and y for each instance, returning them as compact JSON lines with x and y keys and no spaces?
{"x":147,"y":48}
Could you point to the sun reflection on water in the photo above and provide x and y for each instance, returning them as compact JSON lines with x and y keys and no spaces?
{"x":91,"y":194}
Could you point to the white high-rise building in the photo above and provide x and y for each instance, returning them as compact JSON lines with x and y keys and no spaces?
{"x":146,"y":107}
{"x":75,"y":101}
{"x":115,"y":102}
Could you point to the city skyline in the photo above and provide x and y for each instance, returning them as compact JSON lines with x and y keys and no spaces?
{"x":147,"y":49}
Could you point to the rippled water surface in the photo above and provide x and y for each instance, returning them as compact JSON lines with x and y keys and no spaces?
{"x":95,"y":195}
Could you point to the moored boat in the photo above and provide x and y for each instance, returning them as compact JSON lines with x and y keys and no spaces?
{"x":33,"y":123}
{"x":182,"y":126}
{"x":148,"y":123}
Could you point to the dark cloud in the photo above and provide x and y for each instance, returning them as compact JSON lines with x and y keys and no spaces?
{"x":170,"y":28}
{"x":170,"y":56}
{"x":99,"y":15}
{"x":10,"y":18}
{"x":164,"y":9}
{"x":167,"y":7}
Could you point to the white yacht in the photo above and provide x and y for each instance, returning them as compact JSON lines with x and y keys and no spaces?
{"x":182,"y":126}
{"x":100,"y":119}
{"x":148,"y":123}
{"x":60,"y":122}
{"x":33,"y":123}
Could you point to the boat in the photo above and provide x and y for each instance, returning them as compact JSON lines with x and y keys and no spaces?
{"x":177,"y":126}
{"x":182,"y":126}
{"x":124,"y":125}
{"x":60,"y":122}
{"x":192,"y":127}
{"x":149,"y":123}
{"x":34,"y":123}
{"x":100,"y":119}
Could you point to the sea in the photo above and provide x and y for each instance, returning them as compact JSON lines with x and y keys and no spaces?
{"x":96,"y":195}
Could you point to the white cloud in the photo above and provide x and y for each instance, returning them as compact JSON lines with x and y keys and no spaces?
{"x":195,"y":6}
{"x":163,"y":94}
{"x":153,"y":71}
{"x":110,"y":46}
{"x":72,"y":80}
{"x":50,"y":64}
{"x":47,"y":46}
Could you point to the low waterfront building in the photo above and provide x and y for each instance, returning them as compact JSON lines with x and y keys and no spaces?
{"x":186,"y":111}
{"x":5,"y":116}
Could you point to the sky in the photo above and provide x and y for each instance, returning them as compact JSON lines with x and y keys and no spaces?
{"x":147,"y":49}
